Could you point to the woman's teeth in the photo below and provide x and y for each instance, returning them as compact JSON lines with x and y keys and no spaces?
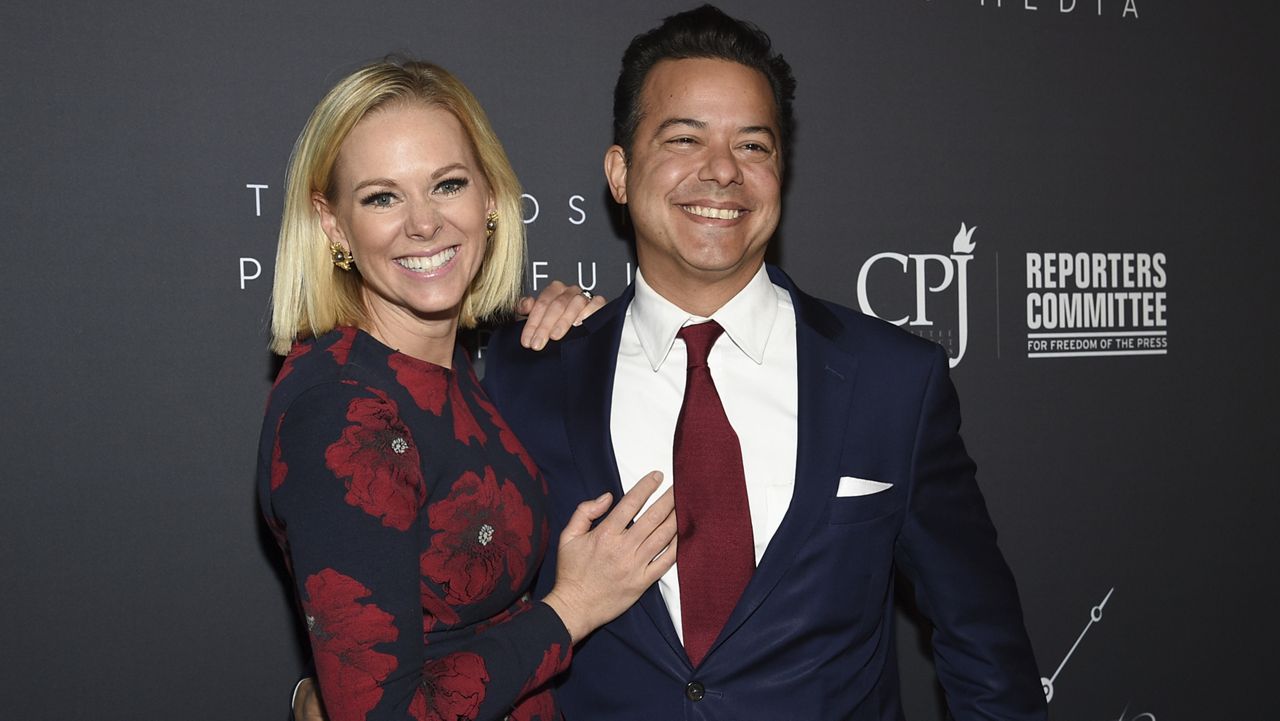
{"x":420,"y":264}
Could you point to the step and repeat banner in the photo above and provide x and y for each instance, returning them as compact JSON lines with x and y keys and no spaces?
{"x":1076,"y":198}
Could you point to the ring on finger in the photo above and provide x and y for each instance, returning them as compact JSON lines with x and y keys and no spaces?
{"x":587,"y":294}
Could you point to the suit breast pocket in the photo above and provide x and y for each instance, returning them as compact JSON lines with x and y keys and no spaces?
{"x":860,"y":509}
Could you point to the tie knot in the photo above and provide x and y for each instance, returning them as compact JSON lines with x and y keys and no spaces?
{"x":698,"y":340}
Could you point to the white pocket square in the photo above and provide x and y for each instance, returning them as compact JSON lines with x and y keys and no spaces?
{"x":850,"y":486}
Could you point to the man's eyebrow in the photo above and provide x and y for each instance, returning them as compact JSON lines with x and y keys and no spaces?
{"x":761,"y":129}
{"x":683,"y":122}
{"x":702,"y":125}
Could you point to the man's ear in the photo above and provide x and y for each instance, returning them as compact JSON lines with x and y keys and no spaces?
{"x":328,"y":221}
{"x":615,"y":171}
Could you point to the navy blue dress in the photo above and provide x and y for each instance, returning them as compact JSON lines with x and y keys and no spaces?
{"x":413,"y":522}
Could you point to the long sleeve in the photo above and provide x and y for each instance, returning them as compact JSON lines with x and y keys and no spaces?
{"x":948,"y":549}
{"x":402,"y":557}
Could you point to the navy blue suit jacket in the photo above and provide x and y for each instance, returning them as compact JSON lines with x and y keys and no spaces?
{"x":812,"y":636}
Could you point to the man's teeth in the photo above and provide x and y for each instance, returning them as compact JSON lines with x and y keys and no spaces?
{"x":428,"y":264}
{"x":717,"y":213}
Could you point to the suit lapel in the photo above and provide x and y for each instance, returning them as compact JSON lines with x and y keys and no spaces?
{"x":590,"y":361}
{"x":826,"y":378}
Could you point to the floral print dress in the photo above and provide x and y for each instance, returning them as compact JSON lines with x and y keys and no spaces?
{"x":412,"y":521}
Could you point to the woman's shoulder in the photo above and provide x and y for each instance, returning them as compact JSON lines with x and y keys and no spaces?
{"x":321,"y":356}
{"x":320,"y":369}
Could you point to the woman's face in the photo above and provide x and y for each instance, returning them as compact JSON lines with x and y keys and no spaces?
{"x":410,"y":203}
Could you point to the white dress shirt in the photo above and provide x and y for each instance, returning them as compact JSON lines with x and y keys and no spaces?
{"x":753,"y":365}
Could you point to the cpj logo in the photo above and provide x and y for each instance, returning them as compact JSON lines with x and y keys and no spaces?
{"x":937,"y":292}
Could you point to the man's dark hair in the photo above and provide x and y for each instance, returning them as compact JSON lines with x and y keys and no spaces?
{"x":704,"y":32}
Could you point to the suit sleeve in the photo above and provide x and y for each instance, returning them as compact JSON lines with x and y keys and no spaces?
{"x":348,"y":489}
{"x":948,"y":550}
{"x":503,"y":346}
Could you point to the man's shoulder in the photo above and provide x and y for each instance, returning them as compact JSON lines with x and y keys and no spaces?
{"x":507,"y":363}
{"x":860,"y":333}
{"x":502,"y":350}
{"x":504,"y":339}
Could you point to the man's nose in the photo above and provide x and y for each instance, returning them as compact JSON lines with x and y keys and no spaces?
{"x":721,"y":167}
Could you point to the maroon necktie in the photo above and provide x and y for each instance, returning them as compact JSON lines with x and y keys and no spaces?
{"x":716,"y":553}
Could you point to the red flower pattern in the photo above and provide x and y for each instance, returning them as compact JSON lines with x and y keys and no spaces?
{"x":546,"y":533}
{"x":508,"y":439}
{"x":279,"y":469}
{"x":436,"y":610}
{"x":341,"y":348}
{"x":483,"y":528}
{"x":541,"y":706}
{"x":378,"y":458}
{"x":298,"y":350}
{"x":428,"y":384}
{"x":481,"y":531}
{"x":502,"y":617}
{"x":465,"y":426}
{"x":343,"y":633}
{"x":452,"y":688}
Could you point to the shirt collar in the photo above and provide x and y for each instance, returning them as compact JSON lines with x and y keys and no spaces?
{"x":747,"y":318}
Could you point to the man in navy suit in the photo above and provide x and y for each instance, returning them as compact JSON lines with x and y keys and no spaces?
{"x":851,"y":463}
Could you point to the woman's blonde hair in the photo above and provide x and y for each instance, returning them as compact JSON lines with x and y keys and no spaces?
{"x":310,"y":296}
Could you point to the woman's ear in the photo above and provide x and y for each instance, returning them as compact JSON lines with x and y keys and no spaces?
{"x":328,"y":221}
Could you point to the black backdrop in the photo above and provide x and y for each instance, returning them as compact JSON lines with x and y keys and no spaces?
{"x":1133,"y":479}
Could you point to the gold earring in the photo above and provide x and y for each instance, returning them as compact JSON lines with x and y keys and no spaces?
{"x":340,"y":256}
{"x":490,"y":224}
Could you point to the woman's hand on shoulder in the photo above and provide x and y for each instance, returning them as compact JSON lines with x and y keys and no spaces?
{"x":602,"y":571}
{"x":557,"y":308}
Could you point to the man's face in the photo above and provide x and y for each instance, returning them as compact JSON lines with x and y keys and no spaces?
{"x":704,"y":180}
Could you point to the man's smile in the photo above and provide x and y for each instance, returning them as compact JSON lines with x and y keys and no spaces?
{"x":714,"y":213}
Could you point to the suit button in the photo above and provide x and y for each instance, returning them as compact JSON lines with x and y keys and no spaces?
{"x":695,"y":691}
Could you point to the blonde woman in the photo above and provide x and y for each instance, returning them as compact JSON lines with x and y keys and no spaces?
{"x":410,"y":516}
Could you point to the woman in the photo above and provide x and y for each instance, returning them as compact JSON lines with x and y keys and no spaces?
{"x":411,"y":518}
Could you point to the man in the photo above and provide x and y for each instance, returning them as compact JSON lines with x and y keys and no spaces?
{"x":840,"y":463}
{"x":847,"y":427}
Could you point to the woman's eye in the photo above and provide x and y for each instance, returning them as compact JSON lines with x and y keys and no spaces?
{"x":452,"y":186}
{"x":378,"y":200}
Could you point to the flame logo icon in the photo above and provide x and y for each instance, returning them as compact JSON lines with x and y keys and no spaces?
{"x":963,"y":242}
